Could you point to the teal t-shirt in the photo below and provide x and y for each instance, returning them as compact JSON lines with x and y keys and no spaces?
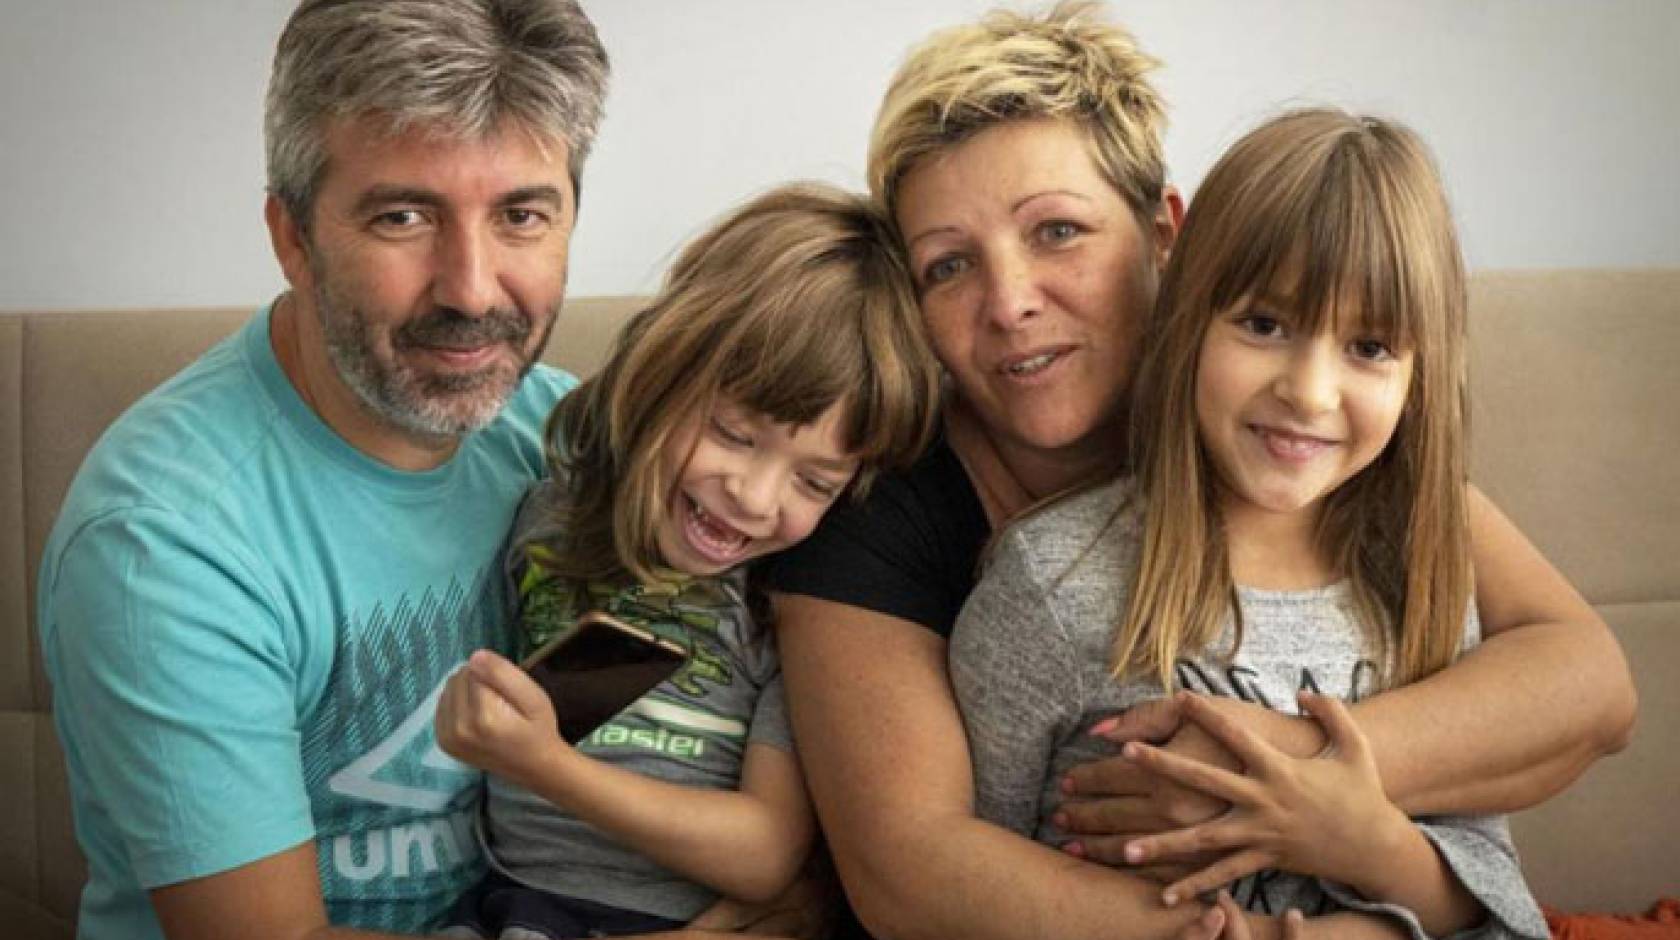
{"x":247,"y":622}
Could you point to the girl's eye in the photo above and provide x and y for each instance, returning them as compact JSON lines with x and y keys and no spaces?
{"x":1262,"y":325}
{"x":1371,"y":350}
{"x":943,"y":269}
{"x":728,"y":434}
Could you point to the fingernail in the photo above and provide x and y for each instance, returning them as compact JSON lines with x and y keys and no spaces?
{"x":1134,"y":852}
{"x":1067,"y":785}
{"x":1105,"y":726}
{"x":1076,"y":849}
{"x":1132,"y":750}
{"x":1059,"y":820}
{"x":1169,"y":898}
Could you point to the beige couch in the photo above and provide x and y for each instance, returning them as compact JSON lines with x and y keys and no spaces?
{"x":1575,"y":429}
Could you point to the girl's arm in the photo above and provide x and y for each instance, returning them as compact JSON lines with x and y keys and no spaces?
{"x":888,"y":766}
{"x":747,"y":843}
{"x":1509,"y":725}
{"x":1325,"y":816}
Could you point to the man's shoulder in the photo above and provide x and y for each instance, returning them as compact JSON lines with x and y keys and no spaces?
{"x":529,"y":406}
{"x":194,"y":427}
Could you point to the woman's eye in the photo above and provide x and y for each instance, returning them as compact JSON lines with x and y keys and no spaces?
{"x":1058,"y":230}
{"x":943,"y":269}
{"x":729,"y":434}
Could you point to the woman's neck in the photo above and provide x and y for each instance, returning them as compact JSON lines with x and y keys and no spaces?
{"x":1010,"y":478}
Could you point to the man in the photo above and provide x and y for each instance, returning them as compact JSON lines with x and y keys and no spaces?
{"x":265,"y":570}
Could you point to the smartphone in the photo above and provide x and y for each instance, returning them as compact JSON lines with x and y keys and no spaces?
{"x":597,"y":669}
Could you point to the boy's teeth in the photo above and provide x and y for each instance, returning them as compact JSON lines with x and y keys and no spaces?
{"x":717,"y":530}
{"x":1031,"y":365}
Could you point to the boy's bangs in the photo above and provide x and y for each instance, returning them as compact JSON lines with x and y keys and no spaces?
{"x":795,"y":375}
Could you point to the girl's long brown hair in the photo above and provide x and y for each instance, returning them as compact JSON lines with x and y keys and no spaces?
{"x":793,"y":303}
{"x":1332,"y":210}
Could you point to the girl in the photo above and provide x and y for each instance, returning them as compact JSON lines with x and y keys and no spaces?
{"x":778,"y":368}
{"x":1296,"y":524}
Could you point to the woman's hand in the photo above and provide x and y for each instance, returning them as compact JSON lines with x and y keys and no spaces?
{"x":1112,"y":801}
{"x":1324,"y":816}
{"x":496,"y":718}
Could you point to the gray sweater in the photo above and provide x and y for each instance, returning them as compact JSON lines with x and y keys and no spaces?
{"x":1029,"y":661}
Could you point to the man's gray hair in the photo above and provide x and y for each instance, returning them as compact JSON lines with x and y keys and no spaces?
{"x":461,"y":67}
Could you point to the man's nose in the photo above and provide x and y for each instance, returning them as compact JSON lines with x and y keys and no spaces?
{"x":465,"y":278}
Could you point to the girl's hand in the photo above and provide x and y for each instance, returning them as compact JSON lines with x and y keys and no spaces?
{"x":1226,"y":920}
{"x":1325,"y":816}
{"x":496,"y":718}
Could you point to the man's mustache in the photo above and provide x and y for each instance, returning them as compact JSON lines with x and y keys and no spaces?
{"x":447,"y":328}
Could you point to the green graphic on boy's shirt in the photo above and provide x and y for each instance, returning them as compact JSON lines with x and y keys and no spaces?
{"x":683,"y":611}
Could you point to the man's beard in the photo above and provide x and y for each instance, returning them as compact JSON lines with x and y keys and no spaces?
{"x":426,"y":405}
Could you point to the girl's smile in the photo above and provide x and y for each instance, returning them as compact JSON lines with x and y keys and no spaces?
{"x":1288,"y":416}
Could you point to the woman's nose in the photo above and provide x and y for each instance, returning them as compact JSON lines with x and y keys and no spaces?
{"x":1012,"y":292}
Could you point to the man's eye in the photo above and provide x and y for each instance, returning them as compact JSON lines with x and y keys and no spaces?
{"x":399,"y":218}
{"x":524,"y":218}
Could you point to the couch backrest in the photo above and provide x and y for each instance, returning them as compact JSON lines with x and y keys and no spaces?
{"x":1574,"y":419}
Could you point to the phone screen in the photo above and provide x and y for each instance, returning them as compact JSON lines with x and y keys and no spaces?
{"x":599,"y":669}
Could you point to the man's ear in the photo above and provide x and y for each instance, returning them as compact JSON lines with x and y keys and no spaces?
{"x":1169,"y":221}
{"x":291,"y":247}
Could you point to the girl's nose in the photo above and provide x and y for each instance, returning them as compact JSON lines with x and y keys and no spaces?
{"x":1310,"y":383}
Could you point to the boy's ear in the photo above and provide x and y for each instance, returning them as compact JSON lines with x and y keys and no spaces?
{"x":291,"y":247}
{"x":1169,"y":220}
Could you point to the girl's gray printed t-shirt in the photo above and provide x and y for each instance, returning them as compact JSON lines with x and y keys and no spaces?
{"x":1029,"y":662}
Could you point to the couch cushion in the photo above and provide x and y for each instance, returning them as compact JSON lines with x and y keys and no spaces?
{"x":1574,"y":393}
{"x":1610,"y":842}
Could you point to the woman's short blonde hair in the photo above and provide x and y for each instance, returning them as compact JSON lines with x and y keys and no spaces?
{"x":1067,"y":63}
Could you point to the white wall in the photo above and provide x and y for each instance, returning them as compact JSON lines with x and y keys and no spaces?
{"x":131,"y":158}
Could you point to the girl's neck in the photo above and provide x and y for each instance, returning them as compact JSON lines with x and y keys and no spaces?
{"x":1275,"y":551}
{"x":1010,"y":478}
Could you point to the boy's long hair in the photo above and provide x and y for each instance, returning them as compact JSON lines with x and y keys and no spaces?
{"x":1345,"y":215}
{"x":793,"y":303}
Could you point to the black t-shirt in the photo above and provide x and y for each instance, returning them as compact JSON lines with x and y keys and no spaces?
{"x":909,"y":549}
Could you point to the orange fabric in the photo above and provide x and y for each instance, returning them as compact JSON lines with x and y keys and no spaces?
{"x":1661,"y":922}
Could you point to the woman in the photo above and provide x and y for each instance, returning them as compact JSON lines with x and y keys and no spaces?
{"x":1020,"y":160}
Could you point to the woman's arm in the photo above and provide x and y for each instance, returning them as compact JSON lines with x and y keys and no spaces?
{"x":747,"y":843}
{"x":1521,"y":716}
{"x":887,"y":763}
{"x":1512,"y":723}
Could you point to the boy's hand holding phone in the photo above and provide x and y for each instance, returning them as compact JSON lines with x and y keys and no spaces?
{"x":495,"y":717}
